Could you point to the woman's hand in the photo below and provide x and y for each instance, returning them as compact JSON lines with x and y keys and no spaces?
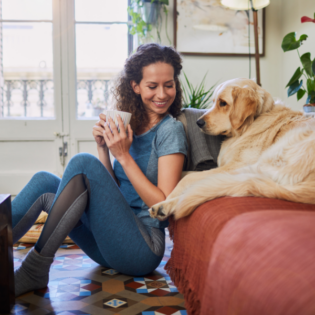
{"x":118,"y":143}
{"x":98,"y":132}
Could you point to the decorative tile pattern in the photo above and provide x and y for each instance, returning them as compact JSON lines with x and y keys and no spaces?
{"x":109,"y":272}
{"x":69,"y":246}
{"x":69,"y":289}
{"x":68,"y":313}
{"x":152,"y":286}
{"x":164,"y":310}
{"x":17,"y":262}
{"x":20,"y":246}
{"x":115,"y":303}
{"x":21,"y":307}
{"x":115,"y":293}
{"x":73,"y":262}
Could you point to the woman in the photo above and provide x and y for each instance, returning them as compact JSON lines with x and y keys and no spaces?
{"x":104,"y":209}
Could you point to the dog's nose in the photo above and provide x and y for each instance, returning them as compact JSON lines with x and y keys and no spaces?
{"x":200,"y":123}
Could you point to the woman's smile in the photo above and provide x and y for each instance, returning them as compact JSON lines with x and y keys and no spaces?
{"x":160,"y":104}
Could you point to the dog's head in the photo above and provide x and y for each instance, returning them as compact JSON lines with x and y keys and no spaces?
{"x":236,"y":103}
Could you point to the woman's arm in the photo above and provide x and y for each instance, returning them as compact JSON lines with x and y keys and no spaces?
{"x":169,"y":174}
{"x":103,"y":155}
{"x":169,"y":166}
{"x":102,"y":149}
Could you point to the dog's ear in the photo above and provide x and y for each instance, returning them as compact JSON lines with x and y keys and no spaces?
{"x":244,"y":107}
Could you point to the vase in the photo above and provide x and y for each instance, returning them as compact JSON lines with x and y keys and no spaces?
{"x":151,"y":11}
{"x":309,"y":108}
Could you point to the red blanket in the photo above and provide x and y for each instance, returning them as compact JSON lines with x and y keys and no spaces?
{"x":195,"y":236}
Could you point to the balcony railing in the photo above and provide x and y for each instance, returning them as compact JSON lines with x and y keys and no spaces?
{"x":35,"y":98}
{"x":92,"y":97}
{"x":27,"y":98}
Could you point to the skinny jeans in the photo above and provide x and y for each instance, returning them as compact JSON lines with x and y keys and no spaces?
{"x":108,"y":231}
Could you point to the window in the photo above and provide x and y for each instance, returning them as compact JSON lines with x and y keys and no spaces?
{"x":102,"y":46}
{"x":27,"y":88}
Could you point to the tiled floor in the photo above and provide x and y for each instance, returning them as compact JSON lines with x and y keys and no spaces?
{"x":80,"y":286}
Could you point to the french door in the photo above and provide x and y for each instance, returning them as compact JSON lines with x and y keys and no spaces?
{"x":58,"y":59}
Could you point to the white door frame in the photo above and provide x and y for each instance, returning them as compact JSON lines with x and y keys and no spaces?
{"x":36,"y":132}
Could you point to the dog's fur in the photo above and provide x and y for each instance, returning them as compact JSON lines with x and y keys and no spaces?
{"x":269,"y":152}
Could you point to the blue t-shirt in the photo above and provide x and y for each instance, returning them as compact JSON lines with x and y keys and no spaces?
{"x":167,"y":137}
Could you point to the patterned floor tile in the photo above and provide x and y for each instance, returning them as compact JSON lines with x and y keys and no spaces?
{"x":22,"y":308}
{"x":113,"y":286}
{"x":17,"y":262}
{"x":170,"y":301}
{"x":164,"y":310}
{"x":69,"y":246}
{"x":69,"y":289}
{"x":115,"y":303}
{"x":77,"y":282}
{"x":73,"y":262}
{"x":110,"y":272}
{"x":68,"y":313}
{"x":20,"y":246}
{"x":156,"y":285}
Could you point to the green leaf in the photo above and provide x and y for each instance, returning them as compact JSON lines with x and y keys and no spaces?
{"x":307,"y":63}
{"x":297,"y":74}
{"x":310,"y":84}
{"x":196,"y":97}
{"x":289,"y":41}
{"x":300,"y":94}
{"x":294,"y":87}
{"x":313,"y":66}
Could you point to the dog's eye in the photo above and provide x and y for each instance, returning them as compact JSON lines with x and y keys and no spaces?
{"x":223,"y":103}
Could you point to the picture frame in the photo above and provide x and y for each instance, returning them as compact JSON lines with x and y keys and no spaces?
{"x":207,"y":28}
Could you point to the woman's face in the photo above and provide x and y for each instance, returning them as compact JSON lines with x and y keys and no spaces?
{"x":157,"y":87}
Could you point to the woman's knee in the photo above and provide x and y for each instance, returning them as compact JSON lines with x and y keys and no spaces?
{"x":82,"y":159}
{"x":46,"y":179}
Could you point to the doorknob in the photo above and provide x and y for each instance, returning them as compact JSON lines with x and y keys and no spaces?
{"x":63,"y":150}
{"x":60,"y":134}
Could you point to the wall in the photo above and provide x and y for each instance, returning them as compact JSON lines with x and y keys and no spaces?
{"x":282,"y":17}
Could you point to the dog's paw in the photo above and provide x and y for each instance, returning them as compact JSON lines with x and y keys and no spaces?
{"x":163,"y":209}
{"x":157,"y":212}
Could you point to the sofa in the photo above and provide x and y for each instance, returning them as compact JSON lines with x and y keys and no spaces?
{"x":245,"y":255}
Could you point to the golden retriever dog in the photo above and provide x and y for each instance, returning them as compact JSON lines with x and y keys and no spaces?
{"x":269,"y":152}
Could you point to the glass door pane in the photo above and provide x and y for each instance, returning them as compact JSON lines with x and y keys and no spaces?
{"x":27,"y":59}
{"x":31,"y":113}
{"x":101,"y":50}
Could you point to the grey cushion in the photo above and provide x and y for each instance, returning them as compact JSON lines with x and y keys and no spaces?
{"x":203,"y":149}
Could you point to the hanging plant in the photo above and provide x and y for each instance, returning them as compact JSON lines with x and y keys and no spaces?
{"x":144,"y":15}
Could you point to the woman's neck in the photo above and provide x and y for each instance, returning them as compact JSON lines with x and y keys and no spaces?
{"x":154,"y":119}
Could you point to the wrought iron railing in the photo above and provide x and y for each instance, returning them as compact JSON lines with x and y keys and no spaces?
{"x":95,"y":99}
{"x":95,"y":95}
{"x":40,"y":87}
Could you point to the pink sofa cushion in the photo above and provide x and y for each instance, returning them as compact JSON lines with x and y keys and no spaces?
{"x":263,"y":263}
{"x":195,"y":235}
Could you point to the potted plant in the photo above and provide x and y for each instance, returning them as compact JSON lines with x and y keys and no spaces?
{"x":196,"y":97}
{"x":295,"y":85}
{"x":144,"y":15}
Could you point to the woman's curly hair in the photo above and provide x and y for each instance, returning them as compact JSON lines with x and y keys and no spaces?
{"x":127,"y":100}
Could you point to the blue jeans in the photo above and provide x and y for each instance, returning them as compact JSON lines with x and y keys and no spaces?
{"x":109,"y":232}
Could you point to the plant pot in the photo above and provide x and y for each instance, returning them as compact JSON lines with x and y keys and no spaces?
{"x":309,"y":108}
{"x":151,"y":11}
